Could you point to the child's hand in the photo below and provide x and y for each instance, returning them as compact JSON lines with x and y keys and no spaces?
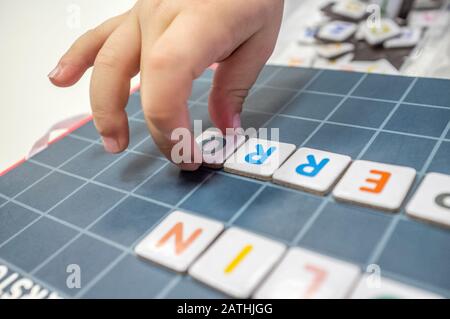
{"x":171,"y":42}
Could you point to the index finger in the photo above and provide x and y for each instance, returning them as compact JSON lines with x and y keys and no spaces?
{"x":168,"y":68}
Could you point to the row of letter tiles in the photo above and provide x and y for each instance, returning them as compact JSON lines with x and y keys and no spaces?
{"x":242,"y":264}
{"x":368,"y":183}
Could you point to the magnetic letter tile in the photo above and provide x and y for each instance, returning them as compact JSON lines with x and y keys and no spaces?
{"x":371,"y":287}
{"x":431,"y":201}
{"x":337,"y":31}
{"x":409,"y":37}
{"x":334,"y":50}
{"x":259,"y":158}
{"x":375,"y":184}
{"x":237,"y":262}
{"x":216,"y":147}
{"x":377,"y":34}
{"x":306,"y":275}
{"x":178,"y":240}
{"x":311,"y":170}
{"x":351,"y":9}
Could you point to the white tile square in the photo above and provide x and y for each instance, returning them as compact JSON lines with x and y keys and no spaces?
{"x":431,"y":201}
{"x":375,"y":184}
{"x":409,"y":37}
{"x":312,"y":170}
{"x":350,"y":9}
{"x":303,"y":274}
{"x":371,"y":287}
{"x":307,"y":35}
{"x":334,"y":50}
{"x":216,"y":147}
{"x":360,"y":32}
{"x":337,"y":31}
{"x":178,"y":240}
{"x":258,"y":158}
{"x":237,"y":262}
{"x":377,"y":34}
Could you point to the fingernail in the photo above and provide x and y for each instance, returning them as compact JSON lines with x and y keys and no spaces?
{"x":55,"y":72}
{"x":189,"y":166}
{"x":111,"y":145}
{"x":237,"y":121}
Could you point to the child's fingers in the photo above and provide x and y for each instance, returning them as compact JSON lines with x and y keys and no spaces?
{"x":116,"y":63}
{"x":166,"y":81}
{"x":169,"y":64}
{"x":235,"y":76}
{"x":189,"y":45}
{"x":168,"y":68}
{"x":237,"y":73}
{"x":82,"y":53}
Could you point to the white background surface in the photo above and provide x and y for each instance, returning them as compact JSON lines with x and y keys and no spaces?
{"x":33,"y":36}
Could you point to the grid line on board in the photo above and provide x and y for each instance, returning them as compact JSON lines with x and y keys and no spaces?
{"x":44,"y":213}
{"x":392,"y":224}
{"x":391,"y":228}
{"x":175,"y":207}
{"x":80,"y":231}
{"x":43,"y":284}
{"x":171,"y":285}
{"x":250,"y":201}
{"x":88,"y":227}
{"x":327,"y":199}
{"x":134,"y":151}
{"x":263,"y":86}
{"x":261,"y":186}
{"x":52,"y":170}
{"x":386,"y":120}
{"x":98,"y":183}
{"x":395,"y":220}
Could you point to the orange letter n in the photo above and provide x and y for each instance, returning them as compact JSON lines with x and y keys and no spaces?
{"x":379,"y":183}
{"x":177,"y":231}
